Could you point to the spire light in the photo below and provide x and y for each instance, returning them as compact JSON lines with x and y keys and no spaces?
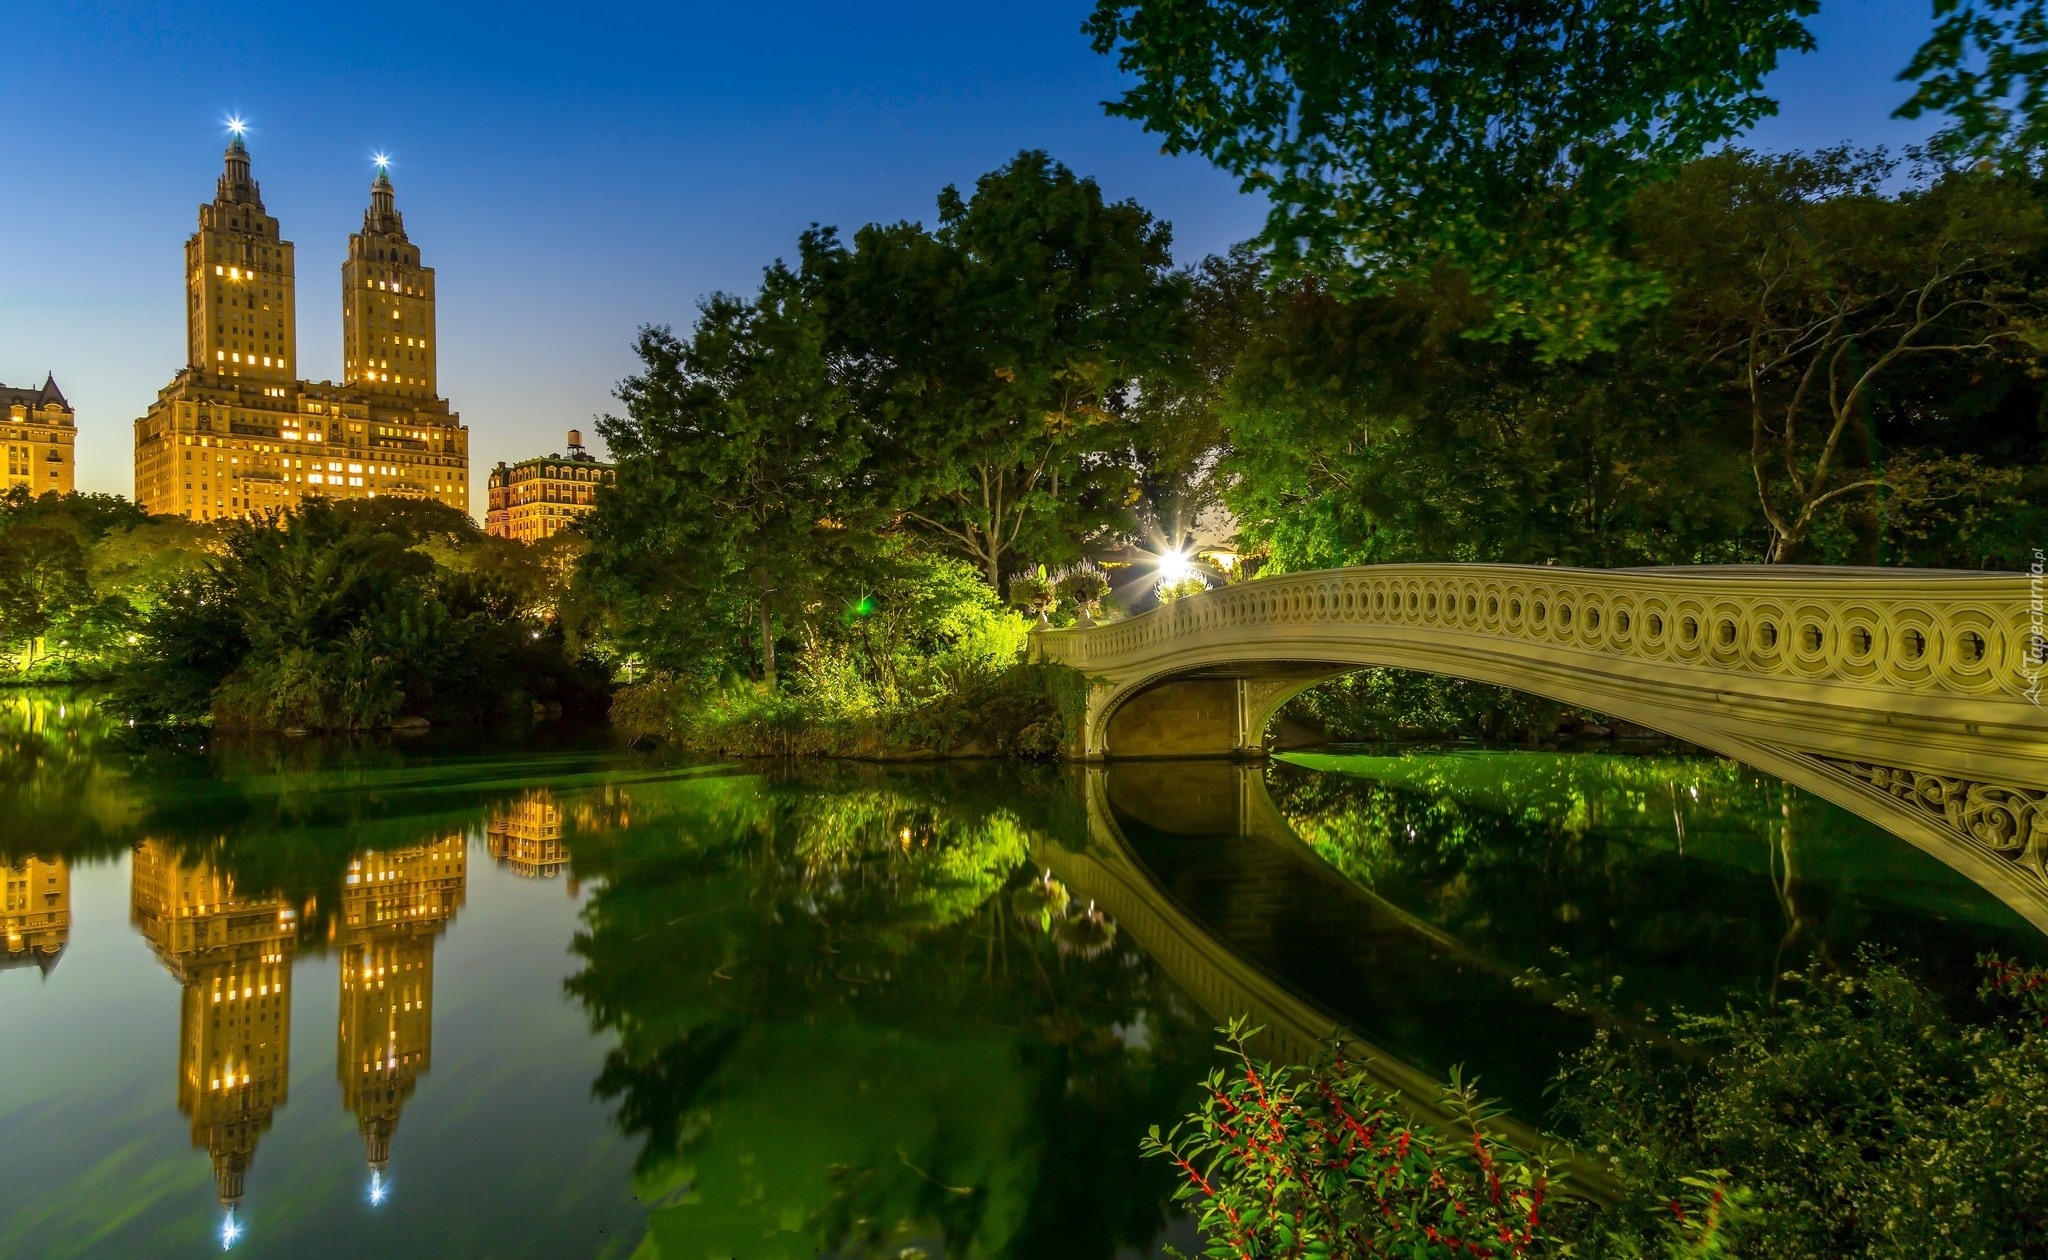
{"x":237,"y":125}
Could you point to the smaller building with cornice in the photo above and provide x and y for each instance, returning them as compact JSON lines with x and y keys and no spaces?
{"x":40,"y":432}
{"x":537,"y":497}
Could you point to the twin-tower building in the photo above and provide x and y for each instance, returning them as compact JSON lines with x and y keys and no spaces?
{"x":237,"y":432}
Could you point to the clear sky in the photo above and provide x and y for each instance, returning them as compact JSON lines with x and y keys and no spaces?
{"x":576,"y":170}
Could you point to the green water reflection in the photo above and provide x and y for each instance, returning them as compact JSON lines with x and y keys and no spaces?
{"x":529,"y":993}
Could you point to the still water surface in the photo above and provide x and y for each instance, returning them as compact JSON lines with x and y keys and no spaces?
{"x":536,"y":995}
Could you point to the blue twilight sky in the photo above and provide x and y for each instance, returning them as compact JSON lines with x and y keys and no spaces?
{"x":574,"y":171}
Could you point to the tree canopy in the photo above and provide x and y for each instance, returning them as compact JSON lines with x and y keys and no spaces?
{"x":1502,"y":140}
{"x":991,"y":356}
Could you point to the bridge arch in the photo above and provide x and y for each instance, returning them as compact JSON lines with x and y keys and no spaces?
{"x":1911,"y":697}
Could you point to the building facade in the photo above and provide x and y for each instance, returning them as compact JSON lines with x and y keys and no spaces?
{"x":237,"y":434}
{"x":40,"y":432}
{"x":537,"y":497}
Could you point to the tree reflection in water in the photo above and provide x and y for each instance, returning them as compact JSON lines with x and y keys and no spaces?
{"x":1686,"y":875}
{"x":850,"y":1015}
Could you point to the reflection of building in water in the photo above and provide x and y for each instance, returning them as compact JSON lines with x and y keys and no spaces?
{"x":393,"y":906}
{"x":232,"y":954}
{"x":527,"y":838}
{"x":35,"y":912}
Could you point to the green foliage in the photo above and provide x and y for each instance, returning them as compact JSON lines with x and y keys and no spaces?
{"x":1823,"y":301}
{"x":1377,"y":430}
{"x":338,"y":617}
{"x":66,"y":600}
{"x":1861,"y":1117}
{"x":1024,"y":710}
{"x":737,"y":498}
{"x":1986,"y":67}
{"x":1394,"y":141}
{"x":1280,"y":1162}
{"x":991,"y":358}
{"x":1378,"y":704}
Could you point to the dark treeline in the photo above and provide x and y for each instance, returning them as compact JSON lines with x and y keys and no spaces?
{"x":337,"y":616}
{"x":1836,"y":359}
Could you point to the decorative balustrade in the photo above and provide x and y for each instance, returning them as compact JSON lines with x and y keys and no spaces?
{"x":1961,"y":634}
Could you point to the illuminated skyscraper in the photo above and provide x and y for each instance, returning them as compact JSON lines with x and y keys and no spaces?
{"x":231,"y":953}
{"x":35,"y":912}
{"x":393,"y":906}
{"x":236,"y":433}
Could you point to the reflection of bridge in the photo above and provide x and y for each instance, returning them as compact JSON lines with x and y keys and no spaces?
{"x":1233,"y":799}
{"x":1901,"y":695}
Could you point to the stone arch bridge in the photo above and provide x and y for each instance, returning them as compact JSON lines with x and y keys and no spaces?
{"x":1911,"y":697}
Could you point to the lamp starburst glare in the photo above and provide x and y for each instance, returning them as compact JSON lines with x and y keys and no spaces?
{"x":1175,"y":567}
{"x":237,"y":125}
{"x":230,"y":1231}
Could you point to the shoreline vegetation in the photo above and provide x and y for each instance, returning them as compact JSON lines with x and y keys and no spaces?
{"x":1860,"y":1115}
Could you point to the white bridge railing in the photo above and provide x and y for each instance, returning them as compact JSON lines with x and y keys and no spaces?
{"x":1966,"y":634}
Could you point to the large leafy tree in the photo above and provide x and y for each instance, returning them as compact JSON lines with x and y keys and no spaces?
{"x":1820,"y":301}
{"x":1376,"y":431}
{"x":992,"y":356}
{"x":1845,"y":372}
{"x":1504,"y":140}
{"x":50,"y":604}
{"x":738,"y":499}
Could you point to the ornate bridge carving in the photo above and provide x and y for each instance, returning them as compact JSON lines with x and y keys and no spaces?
{"x":1908,"y":696}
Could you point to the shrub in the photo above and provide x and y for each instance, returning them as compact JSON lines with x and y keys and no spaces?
{"x":1861,"y":1119}
{"x":1322,"y":1162}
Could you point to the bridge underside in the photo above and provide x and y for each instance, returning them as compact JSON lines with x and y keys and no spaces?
{"x":1967,"y":783}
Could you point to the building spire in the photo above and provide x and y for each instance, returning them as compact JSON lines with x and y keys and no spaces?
{"x":383,"y":216}
{"x":236,"y":184}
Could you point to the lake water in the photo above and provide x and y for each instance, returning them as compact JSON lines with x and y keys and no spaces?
{"x":534,"y":994}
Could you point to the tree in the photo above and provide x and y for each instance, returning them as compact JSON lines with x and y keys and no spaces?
{"x":43,"y":581}
{"x":1986,"y":66}
{"x":737,"y":495}
{"x":1506,"y":141}
{"x":990,"y":357}
{"x":47,"y":589}
{"x":1816,"y":289}
{"x":338,"y":616}
{"x":1376,"y":431}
